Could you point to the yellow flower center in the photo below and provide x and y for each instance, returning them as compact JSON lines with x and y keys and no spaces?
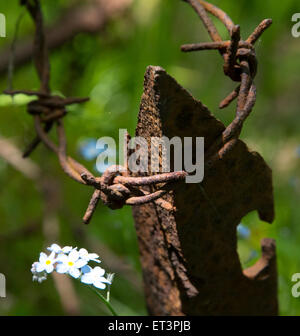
{"x":48,"y":262}
{"x":70,"y":263}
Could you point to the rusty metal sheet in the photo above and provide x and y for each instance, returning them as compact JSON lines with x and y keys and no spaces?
{"x":189,"y":253}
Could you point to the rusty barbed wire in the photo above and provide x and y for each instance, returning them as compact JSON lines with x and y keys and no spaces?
{"x":115,"y":187}
{"x":240,"y":64}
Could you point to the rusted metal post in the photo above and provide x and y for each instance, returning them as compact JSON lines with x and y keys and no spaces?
{"x":189,"y":252}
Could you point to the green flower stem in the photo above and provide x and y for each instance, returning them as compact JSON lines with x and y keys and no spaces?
{"x":108,"y":305}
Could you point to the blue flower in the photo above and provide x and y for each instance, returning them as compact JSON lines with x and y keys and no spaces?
{"x":243,"y":231}
{"x":88,"y":149}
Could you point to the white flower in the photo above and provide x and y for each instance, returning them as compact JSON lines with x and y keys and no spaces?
{"x":70,"y":264}
{"x":57,"y":249}
{"x":73,"y":262}
{"x":83,"y":253}
{"x":95,"y":277}
{"x":40,"y":277}
{"x":46,"y":263}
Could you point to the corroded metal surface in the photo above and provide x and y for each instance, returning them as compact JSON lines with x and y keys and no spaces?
{"x":189,"y":252}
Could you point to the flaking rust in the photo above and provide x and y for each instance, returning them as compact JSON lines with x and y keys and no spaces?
{"x":189,"y":256}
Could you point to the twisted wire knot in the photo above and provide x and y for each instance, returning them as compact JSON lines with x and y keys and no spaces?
{"x":232,"y":63}
{"x":114,"y":195}
{"x":116,"y":188}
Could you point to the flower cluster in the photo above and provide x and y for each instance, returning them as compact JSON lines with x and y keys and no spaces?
{"x":69,"y":260}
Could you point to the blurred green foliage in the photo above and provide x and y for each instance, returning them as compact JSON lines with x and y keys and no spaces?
{"x":109,"y":67}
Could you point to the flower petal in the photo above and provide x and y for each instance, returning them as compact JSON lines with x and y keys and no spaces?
{"x":49,"y":268}
{"x":74,"y":272}
{"x":86,"y":269}
{"x":104,"y":280}
{"x":87,"y":279}
{"x":54,"y":247}
{"x":39,"y":267}
{"x":80,"y":263}
{"x":61,"y":268}
{"x":94,"y":257}
{"x":52,"y":256}
{"x":67,"y":249}
{"x":33,"y":267}
{"x":83,"y":252}
{"x":43,"y":257}
{"x":99,"y":284}
{"x":99,"y":271}
{"x":74,"y":255}
{"x":96,"y":260}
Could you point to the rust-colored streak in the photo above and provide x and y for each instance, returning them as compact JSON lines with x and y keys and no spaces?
{"x":195,"y":269}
